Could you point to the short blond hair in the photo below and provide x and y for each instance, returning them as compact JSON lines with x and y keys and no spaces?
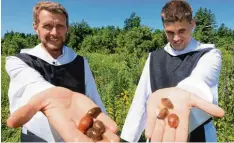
{"x":51,"y":7}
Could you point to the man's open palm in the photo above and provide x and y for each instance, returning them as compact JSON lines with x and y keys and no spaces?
{"x":64,"y":109}
{"x":159,"y":130}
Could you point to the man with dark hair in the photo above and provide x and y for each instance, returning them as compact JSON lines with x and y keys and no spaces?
{"x":53,"y":79}
{"x":178,"y":85}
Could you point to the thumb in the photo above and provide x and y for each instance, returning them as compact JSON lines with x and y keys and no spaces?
{"x":22,"y":115}
{"x":206,"y":106}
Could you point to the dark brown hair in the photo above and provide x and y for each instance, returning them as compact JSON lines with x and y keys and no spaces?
{"x":176,"y":10}
{"x":51,"y":7}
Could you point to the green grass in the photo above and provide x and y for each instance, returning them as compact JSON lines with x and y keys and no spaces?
{"x":114,"y":89}
{"x":7,"y":134}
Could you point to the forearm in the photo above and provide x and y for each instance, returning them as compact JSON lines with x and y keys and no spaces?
{"x":203,"y":82}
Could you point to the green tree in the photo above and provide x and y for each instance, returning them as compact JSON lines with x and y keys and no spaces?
{"x":32,"y":40}
{"x":13,"y":42}
{"x":205,"y":24}
{"x":224,"y":38}
{"x":159,"y":38}
{"x":103,"y":41}
{"x":136,"y":40}
{"x":132,"y":21}
{"x":224,"y":31}
{"x":77,"y":33}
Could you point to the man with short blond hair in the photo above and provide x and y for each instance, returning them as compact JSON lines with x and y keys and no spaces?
{"x":53,"y":79}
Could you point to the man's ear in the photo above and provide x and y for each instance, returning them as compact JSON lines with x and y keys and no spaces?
{"x":35,"y":27}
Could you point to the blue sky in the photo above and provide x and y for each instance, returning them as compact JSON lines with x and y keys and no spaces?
{"x":16,"y":15}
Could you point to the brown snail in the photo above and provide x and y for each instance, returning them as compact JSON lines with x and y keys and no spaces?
{"x":167,"y":103}
{"x":94,"y":134}
{"x":173,"y":120}
{"x":89,"y":133}
{"x":85,"y":123}
{"x":99,"y":126}
{"x":94,"y":112}
{"x":163,"y":113}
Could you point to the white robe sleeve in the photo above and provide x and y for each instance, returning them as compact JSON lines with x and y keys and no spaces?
{"x":91,"y":88}
{"x":25,"y":82}
{"x":203,"y":82}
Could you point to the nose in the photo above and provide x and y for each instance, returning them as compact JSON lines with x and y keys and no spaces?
{"x":53,"y":31}
{"x":176,"y":37}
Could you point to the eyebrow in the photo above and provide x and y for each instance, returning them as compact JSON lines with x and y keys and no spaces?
{"x":168,"y":31}
{"x":182,"y":29}
{"x":51,"y":23}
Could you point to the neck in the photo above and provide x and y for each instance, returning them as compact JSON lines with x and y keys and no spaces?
{"x":55,"y":53}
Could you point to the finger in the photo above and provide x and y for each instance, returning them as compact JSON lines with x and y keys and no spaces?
{"x":68,"y":129}
{"x":21,"y":116}
{"x":109,"y":136}
{"x":108,"y":122}
{"x":26,"y":112}
{"x":182,"y":129}
{"x":159,"y":128}
{"x":89,"y":104}
{"x":206,"y":106}
{"x":152,"y":113}
{"x":35,"y":104}
{"x":169,"y":134}
{"x":104,"y":139}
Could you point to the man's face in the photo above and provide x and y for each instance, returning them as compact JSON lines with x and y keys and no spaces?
{"x":179,"y":33}
{"x":51,"y":30}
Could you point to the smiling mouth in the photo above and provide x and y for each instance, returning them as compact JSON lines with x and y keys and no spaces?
{"x":177,"y":43}
{"x":54,"y":39}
